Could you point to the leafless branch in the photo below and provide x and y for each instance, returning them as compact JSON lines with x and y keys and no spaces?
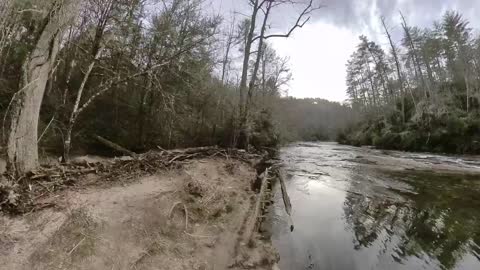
{"x":301,"y":21}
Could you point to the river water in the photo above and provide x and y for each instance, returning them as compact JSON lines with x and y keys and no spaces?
{"x":359,"y":208}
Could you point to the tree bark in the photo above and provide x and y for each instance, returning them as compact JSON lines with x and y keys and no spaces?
{"x":431,"y":80}
{"x":467,"y":85}
{"x":372,"y":84}
{"x":256,"y":68}
{"x":415,"y":58}
{"x":73,"y":117}
{"x":115,"y":146}
{"x":97,"y":48}
{"x":246,"y":55}
{"x":382,"y":73}
{"x":251,"y":86}
{"x":22,"y":141}
{"x":226,"y":59}
{"x":397,"y":65}
{"x":243,"y":136}
{"x":142,"y":110}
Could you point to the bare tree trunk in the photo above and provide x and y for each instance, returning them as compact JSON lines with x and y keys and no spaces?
{"x":467,"y":85}
{"x":364,"y":86}
{"x":256,"y":67}
{"x":264,"y":75}
{"x":372,"y":84}
{"x":97,"y":47}
{"x":74,"y":115}
{"x":260,"y":49}
{"x":246,"y":55}
{"x":243,"y":136}
{"x":431,"y":80}
{"x":146,"y":93}
{"x":382,"y":73}
{"x":226,"y":59}
{"x":22,"y":141}
{"x":8,"y":25}
{"x":411,"y":94}
{"x":254,"y":74}
{"x":262,"y":37}
{"x":416,"y":62}
{"x":142,"y":110}
{"x":397,"y":65}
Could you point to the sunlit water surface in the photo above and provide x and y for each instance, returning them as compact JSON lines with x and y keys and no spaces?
{"x":349,"y":214}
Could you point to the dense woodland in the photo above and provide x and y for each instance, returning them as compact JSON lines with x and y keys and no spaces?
{"x":147,"y":74}
{"x":420,"y":94}
{"x":311,"y":119}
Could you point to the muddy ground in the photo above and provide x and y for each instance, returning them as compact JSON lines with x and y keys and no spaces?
{"x":191,"y":217}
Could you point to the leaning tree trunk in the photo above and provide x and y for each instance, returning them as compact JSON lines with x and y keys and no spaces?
{"x":22,"y":147}
{"x":467,"y":85}
{"x":67,"y":144}
{"x":242,"y":136}
{"x":397,"y":65}
{"x":245,"y":116}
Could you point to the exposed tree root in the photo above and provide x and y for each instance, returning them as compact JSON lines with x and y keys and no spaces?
{"x":185,"y":210}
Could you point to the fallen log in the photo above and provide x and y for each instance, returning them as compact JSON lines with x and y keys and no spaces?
{"x":286,"y":199}
{"x":252,"y":224}
{"x":193,"y":150}
{"x":115,"y":146}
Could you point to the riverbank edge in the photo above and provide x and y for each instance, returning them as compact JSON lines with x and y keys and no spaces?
{"x":449,"y":137}
{"x":254,"y":161}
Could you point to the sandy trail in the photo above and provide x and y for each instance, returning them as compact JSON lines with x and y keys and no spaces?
{"x":135,"y":226}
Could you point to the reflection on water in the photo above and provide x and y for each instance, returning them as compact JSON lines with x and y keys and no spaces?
{"x":349,"y":215}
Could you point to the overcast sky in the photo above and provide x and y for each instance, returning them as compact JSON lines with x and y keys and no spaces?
{"x":319,"y":51}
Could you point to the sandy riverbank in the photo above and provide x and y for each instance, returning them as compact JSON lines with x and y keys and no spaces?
{"x":190,"y":217}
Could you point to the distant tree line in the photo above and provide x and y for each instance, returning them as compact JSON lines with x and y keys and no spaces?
{"x":312,"y":119}
{"x":421,"y":94}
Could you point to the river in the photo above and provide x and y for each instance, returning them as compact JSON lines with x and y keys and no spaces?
{"x":360,"y":208}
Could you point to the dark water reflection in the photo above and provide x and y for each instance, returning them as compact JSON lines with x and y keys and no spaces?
{"x":349,"y":215}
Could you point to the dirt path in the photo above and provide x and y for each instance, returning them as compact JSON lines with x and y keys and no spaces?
{"x":142,"y":225}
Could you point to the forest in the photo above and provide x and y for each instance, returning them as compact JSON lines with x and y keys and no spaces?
{"x":146,"y":74}
{"x":164,"y":134}
{"x":419,"y":93}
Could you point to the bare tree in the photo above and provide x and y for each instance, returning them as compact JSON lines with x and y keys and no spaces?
{"x":22,"y":141}
{"x":415,"y":57}
{"x":229,"y":43}
{"x":148,"y":67}
{"x":103,"y":15}
{"x":245,"y":115}
{"x":275,"y":73}
{"x":397,"y":65}
{"x":302,"y":19}
{"x":8,"y":27}
{"x":256,"y":5}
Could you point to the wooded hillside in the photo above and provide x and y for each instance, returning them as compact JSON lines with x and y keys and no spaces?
{"x":146,"y":74}
{"x":421,"y":94}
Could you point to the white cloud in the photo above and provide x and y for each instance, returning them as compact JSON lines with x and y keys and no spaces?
{"x":318,"y":54}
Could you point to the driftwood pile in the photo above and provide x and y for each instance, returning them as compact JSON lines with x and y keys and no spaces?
{"x":25,"y":194}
